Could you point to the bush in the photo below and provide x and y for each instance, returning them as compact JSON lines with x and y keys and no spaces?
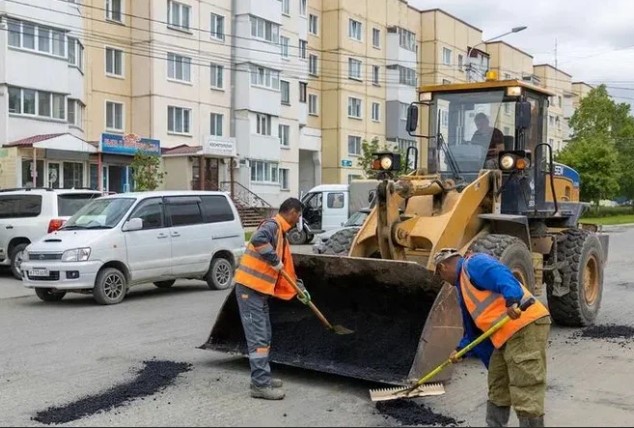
{"x":602,"y":212}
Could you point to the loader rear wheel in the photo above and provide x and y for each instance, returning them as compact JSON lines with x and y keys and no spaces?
{"x":340,"y":242}
{"x":582,"y":274}
{"x":511,"y":251}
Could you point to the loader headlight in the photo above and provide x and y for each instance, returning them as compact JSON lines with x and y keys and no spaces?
{"x":507,"y":162}
{"x":386,"y":161}
{"x":76,"y":255}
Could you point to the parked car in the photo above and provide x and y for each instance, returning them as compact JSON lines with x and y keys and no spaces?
{"x":122,"y":240}
{"x":28,"y":214}
{"x":354,"y":223}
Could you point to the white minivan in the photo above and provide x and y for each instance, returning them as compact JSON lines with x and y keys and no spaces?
{"x":121,"y":240}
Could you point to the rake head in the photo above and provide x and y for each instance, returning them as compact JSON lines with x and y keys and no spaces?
{"x":401,"y":393}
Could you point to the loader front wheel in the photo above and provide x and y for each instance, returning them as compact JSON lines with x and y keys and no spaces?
{"x":581,"y":273}
{"x":340,"y":242}
{"x":511,"y":251}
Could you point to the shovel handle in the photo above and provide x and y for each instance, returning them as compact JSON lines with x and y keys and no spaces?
{"x":299,"y":291}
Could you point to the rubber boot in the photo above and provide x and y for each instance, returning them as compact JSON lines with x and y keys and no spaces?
{"x":267,"y":393}
{"x":498,"y":416}
{"x":277,"y":383}
{"x":531,"y":421}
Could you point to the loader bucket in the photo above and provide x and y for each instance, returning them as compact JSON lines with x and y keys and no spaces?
{"x":405,"y":321}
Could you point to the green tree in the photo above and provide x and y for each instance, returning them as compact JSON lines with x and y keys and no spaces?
{"x":147,"y":171}
{"x":374,"y":146}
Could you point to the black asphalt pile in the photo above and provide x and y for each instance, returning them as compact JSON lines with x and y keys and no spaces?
{"x":409,"y":413}
{"x":152,"y":378}
{"x":608,"y":331}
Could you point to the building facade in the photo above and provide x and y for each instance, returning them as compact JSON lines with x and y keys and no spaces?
{"x":560,"y":83}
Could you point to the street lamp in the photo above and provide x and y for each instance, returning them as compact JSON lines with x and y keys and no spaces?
{"x":513,"y":30}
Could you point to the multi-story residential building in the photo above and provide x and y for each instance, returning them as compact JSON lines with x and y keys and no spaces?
{"x":579,"y":91}
{"x":558,"y":82}
{"x":42,"y":95}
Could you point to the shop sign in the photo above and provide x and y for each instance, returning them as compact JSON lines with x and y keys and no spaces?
{"x":129,"y":144}
{"x":225,"y":147}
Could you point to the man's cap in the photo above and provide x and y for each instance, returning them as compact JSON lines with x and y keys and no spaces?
{"x":445,"y":254}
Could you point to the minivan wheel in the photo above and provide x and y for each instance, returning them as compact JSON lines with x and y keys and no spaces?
{"x":220,"y":275}
{"x":16,"y":256}
{"x":165,"y":284}
{"x":48,"y":295}
{"x":110,"y":287}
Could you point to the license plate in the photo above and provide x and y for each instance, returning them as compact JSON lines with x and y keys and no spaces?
{"x":38,"y":272}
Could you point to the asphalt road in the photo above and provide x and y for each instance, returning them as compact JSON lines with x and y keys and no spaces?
{"x":52,"y":354}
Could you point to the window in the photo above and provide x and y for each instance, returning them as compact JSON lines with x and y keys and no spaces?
{"x":303,"y":44}
{"x":178,"y":120}
{"x":354,"y":107}
{"x":313,"y":25}
{"x":376,"y":37}
{"x":354,"y":145}
{"x":335,"y":201}
{"x":20,"y":205}
{"x":285,"y":89}
{"x":217,"y":27}
{"x":151,"y":212}
{"x":264,"y":172}
{"x":30,"y":171}
{"x":446,"y":82}
{"x":507,"y":108}
{"x":216,"y":124}
{"x":217,"y":76}
{"x":178,"y":15}
{"x":75,"y":53}
{"x":354,"y":68}
{"x":376,"y":112}
{"x":216,"y":209}
{"x":264,"y":30}
{"x":403,"y":110}
{"x":263,"y":125}
{"x":114,"y":62}
{"x":114,"y":116}
{"x":302,"y":91}
{"x":354,"y":29}
{"x":507,"y":76}
{"x":15,"y":29}
{"x":75,"y":115}
{"x":403,"y":144}
{"x":284,"y":46}
{"x":460,"y":61}
{"x":559,"y":100}
{"x":507,"y":130}
{"x":45,"y":40}
{"x":446,"y":56}
{"x":69,"y":203}
{"x":284,"y":179}
{"x":551,"y":120}
{"x":375,"y":74}
{"x":73,"y":175}
{"x":286,"y":7}
{"x":312,"y":64}
{"x":407,"y":76}
{"x":265,"y":77}
{"x":407,"y":39}
{"x":28,"y":35}
{"x":302,"y":7}
{"x":178,"y":67}
{"x":312,"y":104}
{"x":113,"y":10}
{"x":184,"y":211}
{"x":284,"y":131}
{"x":37,"y":103}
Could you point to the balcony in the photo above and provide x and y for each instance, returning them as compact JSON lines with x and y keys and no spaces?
{"x":271,"y":10}
{"x":395,"y":54}
{"x":255,"y":98}
{"x":256,"y":51}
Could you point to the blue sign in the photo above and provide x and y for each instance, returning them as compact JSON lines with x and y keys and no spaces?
{"x":346,"y":162}
{"x":129,"y":145}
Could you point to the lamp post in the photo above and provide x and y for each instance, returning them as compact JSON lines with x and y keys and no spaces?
{"x":469,"y":67}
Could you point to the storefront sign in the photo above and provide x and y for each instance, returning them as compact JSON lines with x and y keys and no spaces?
{"x":225,"y":147}
{"x":129,"y":144}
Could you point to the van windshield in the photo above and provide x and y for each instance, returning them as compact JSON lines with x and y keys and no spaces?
{"x":100,"y":214}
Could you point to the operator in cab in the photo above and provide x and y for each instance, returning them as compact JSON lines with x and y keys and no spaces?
{"x":488,"y":137}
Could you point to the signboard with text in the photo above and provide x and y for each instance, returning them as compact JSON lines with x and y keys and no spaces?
{"x":346,"y":163}
{"x":129,"y":145}
{"x":221,"y":147}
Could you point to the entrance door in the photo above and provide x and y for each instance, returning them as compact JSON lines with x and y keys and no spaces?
{"x":212,"y":173}
{"x":54,"y":175}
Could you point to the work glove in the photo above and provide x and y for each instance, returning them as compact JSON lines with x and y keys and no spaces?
{"x":278,"y":267}
{"x":453,"y":358}
{"x":306,"y":298}
{"x":513,"y":312}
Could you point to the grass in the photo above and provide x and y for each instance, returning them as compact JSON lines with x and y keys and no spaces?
{"x":613,"y":220}
{"x":247,"y":236}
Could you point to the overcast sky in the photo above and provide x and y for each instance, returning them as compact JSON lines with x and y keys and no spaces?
{"x":595,"y":39}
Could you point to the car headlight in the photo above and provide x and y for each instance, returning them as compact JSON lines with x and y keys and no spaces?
{"x":507,"y":162}
{"x":76,"y":255}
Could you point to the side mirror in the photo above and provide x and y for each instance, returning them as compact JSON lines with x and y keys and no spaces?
{"x":412,"y":118}
{"x":133,"y":224}
{"x":523,"y":115}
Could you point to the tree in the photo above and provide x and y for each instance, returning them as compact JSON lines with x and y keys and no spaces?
{"x":367,"y":148}
{"x":147,"y":171}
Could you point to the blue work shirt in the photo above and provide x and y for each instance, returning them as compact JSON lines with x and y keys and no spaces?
{"x":486,"y":273}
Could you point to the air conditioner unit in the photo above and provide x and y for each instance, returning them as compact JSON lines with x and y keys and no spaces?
{"x":245,"y":163}
{"x":235,"y":163}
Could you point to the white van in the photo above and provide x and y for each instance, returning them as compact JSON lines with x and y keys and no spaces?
{"x":121,"y":240}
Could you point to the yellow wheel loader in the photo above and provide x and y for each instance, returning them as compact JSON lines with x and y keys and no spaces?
{"x":490,"y":185}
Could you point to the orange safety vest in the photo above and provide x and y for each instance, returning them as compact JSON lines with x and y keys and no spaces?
{"x":258,"y":274}
{"x":487,"y":308}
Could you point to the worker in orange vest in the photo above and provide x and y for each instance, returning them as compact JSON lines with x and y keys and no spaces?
{"x":516,"y":354}
{"x":257,"y":279}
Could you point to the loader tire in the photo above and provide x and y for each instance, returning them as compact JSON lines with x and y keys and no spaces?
{"x":582,"y":273}
{"x":511,"y":251}
{"x":340,"y":242}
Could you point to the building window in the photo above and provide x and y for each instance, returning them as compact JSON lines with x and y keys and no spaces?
{"x":507,"y":108}
{"x":286,"y":7}
{"x":375,"y":74}
{"x":263,"y":126}
{"x":217,"y":27}
{"x":507,"y":130}
{"x":75,"y":53}
{"x":376,"y":112}
{"x":264,"y":172}
{"x":354,"y":29}
{"x":446,"y":56}
{"x":284,"y":179}
{"x":264,"y":30}
{"x":403,"y":110}
{"x":407,"y":76}
{"x":312,"y":64}
{"x":284,"y":133}
{"x":302,"y":7}
{"x":113,"y":10}
{"x":407,"y":39}
{"x":37,"y":103}
{"x":178,"y":15}
{"x":179,"y":67}
{"x":376,"y":37}
{"x":284,"y":46}
{"x":559,"y":100}
{"x":302,"y":91}
{"x":114,"y":62}
{"x":216,"y":124}
{"x":354,"y":68}
{"x":403,"y":144}
{"x":217,"y":76}
{"x":285,"y":89}
{"x":444,"y":118}
{"x":460,"y":61}
{"x":446,"y":82}
{"x":303,"y":44}
{"x":75,"y":115}
{"x":73,"y":175}
{"x":265,"y":77}
{"x":354,"y":145}
{"x":312,"y":105}
{"x":178,"y":120}
{"x":354,"y":107}
{"x":114,"y":116}
{"x":313,"y":25}
{"x":46,"y":40}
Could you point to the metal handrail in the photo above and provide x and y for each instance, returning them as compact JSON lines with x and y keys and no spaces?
{"x":243,"y":196}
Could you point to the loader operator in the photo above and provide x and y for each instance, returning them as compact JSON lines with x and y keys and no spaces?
{"x":257,"y":279}
{"x":516,"y":354}
{"x":488,"y":137}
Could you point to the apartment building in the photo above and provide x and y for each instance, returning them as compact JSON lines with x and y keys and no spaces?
{"x":579,"y":91}
{"x":560,"y":83}
{"x":42,"y":95}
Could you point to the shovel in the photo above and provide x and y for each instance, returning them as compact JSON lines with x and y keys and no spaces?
{"x":337,"y":329}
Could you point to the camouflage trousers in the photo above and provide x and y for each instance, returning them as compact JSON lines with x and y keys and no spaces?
{"x":517,"y":371}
